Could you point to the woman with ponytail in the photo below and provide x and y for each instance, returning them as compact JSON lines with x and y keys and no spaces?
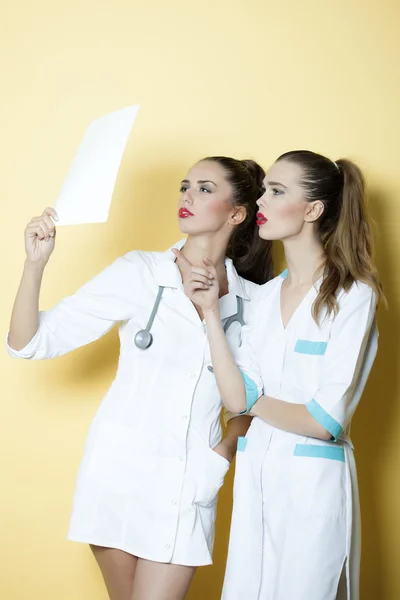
{"x":296,"y":523}
{"x":154,"y":461}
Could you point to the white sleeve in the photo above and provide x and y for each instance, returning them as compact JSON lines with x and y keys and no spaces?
{"x":87,"y":315}
{"x":246,"y":357}
{"x":347,"y":362}
{"x":246,"y":361}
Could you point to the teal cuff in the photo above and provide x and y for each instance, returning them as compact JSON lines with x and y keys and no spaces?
{"x":252,"y":394}
{"x":324,"y":419}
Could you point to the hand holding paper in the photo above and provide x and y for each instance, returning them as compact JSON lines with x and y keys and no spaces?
{"x":87,"y":191}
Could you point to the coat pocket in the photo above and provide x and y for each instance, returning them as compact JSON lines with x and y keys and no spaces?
{"x":208,"y":471}
{"x":307,"y":358}
{"x":317,"y":479}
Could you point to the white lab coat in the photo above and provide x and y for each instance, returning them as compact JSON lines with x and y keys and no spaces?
{"x":149,"y":478}
{"x":296,"y":523}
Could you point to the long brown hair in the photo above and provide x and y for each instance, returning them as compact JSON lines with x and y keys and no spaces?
{"x":344,"y":229}
{"x":251,"y":255}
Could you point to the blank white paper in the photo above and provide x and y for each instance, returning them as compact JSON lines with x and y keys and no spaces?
{"x":86,"y":194}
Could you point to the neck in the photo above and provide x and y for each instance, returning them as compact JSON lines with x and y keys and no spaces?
{"x":198,"y":247}
{"x":305,"y":259}
{"x":212,"y":247}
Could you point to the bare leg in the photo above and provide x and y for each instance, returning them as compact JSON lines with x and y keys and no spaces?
{"x":118,"y":570}
{"x":159,"y":581}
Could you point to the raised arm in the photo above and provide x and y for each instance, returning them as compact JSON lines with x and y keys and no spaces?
{"x":39,"y":244}
{"x":77,"y":320}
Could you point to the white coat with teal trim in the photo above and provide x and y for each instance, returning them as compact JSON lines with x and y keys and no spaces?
{"x":295,"y":531}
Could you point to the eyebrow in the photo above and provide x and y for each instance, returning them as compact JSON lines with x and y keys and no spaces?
{"x":201,"y":181}
{"x":276,"y":183}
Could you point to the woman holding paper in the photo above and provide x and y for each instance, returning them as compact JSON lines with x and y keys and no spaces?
{"x":296,"y":530}
{"x":154,"y":461}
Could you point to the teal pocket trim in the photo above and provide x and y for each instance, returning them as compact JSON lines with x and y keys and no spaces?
{"x":241,"y":444}
{"x":324,"y":419}
{"x":314,"y":451}
{"x":284,"y":274}
{"x":251,"y":392}
{"x":309,"y":347}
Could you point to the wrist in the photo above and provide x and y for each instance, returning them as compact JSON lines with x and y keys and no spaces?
{"x":212,"y":313}
{"x":34,"y":269}
{"x":34,"y":266}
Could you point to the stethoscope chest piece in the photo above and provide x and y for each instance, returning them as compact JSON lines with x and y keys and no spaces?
{"x":143,"y":339}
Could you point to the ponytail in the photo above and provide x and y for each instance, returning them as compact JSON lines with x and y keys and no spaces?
{"x":349,"y":244}
{"x":344,"y":229}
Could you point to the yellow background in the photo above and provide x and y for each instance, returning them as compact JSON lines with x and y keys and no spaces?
{"x":248,"y":79}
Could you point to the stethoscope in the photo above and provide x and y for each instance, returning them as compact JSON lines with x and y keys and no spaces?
{"x":144,"y":338}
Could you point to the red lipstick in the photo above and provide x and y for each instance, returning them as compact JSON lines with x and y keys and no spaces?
{"x":261,"y":219}
{"x":184,"y":213}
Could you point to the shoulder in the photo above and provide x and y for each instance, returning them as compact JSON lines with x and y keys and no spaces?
{"x":258,"y":295}
{"x":357,"y":309}
{"x":259,"y":292}
{"x":139,"y":261}
{"x":130,"y":267}
{"x":150,"y":260}
{"x":267,"y":288}
{"x":358,"y":294}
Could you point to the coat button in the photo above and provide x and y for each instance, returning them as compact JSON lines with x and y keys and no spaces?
{"x":168,"y":545}
{"x":180,"y":458}
{"x":184,"y":417}
{"x":174,"y":502}
{"x":193,"y":375}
